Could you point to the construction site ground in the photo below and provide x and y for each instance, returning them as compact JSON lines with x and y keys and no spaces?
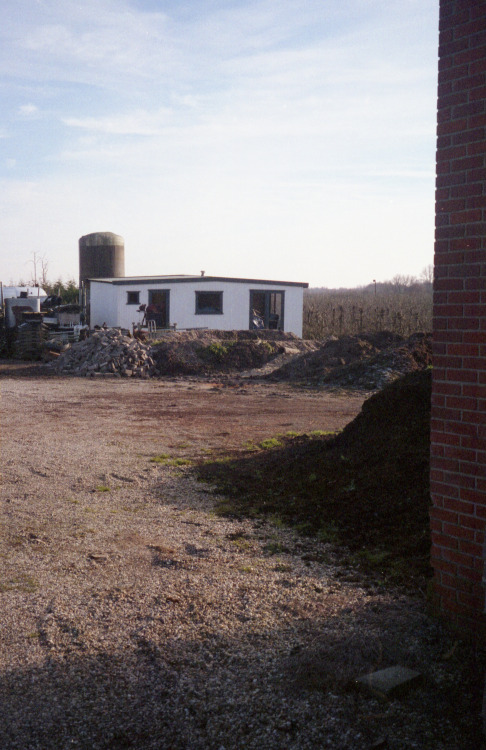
{"x":136,"y":614}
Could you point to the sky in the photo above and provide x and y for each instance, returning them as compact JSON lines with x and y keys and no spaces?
{"x":274,"y":139}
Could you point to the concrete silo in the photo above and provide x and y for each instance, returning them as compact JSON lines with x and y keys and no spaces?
{"x":101,"y":256}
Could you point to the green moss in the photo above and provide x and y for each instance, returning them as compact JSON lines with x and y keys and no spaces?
{"x":161,"y":458}
{"x":22,"y":582}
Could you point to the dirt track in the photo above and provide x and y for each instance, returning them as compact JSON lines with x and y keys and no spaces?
{"x":132,"y":616}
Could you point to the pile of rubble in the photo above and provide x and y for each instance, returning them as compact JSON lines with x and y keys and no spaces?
{"x":109,"y":353}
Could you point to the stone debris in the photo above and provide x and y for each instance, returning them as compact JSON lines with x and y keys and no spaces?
{"x":107,"y":352}
{"x":391,"y":682}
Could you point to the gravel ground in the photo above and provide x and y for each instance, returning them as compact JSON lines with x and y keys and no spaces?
{"x":135,"y":617}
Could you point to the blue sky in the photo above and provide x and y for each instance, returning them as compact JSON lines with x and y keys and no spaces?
{"x":284,"y":139}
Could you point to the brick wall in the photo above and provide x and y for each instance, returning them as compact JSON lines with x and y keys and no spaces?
{"x":458,"y":425}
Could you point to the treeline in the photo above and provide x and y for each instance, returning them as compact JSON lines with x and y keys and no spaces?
{"x":68,"y":291}
{"x":402,"y":305}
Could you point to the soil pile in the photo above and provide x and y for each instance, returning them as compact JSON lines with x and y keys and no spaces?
{"x":112,"y":353}
{"x":206,"y":352}
{"x":367,"y":361}
{"x":366,"y":488}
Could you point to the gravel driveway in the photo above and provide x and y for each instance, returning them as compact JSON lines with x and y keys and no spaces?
{"x":135,"y":617}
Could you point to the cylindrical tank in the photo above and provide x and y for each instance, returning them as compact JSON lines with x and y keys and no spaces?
{"x":101,"y":256}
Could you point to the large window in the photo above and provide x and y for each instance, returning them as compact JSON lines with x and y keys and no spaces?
{"x":209,"y":303}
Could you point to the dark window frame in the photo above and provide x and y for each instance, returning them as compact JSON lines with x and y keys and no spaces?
{"x":270,"y":298}
{"x":200,"y":310}
{"x":133,"y":294}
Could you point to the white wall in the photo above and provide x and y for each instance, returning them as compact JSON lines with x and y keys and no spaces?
{"x":108,"y":304}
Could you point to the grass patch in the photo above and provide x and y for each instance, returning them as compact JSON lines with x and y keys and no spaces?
{"x":164,"y":459}
{"x":22,"y":582}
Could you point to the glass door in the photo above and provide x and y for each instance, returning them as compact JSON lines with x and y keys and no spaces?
{"x":267,"y":309}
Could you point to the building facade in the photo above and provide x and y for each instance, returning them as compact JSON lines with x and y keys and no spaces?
{"x":458,"y":424}
{"x":197,"y":302}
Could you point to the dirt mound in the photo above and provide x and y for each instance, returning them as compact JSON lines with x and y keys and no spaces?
{"x":111,"y":353}
{"x":367,"y":488}
{"x":206,"y":352}
{"x":367,"y":361}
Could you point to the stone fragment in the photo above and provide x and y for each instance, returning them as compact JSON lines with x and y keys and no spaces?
{"x":391,"y":682}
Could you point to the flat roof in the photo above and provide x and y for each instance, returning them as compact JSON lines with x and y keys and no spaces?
{"x":183,"y":278}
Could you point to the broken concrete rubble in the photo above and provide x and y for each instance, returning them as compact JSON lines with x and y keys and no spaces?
{"x":107,"y":352}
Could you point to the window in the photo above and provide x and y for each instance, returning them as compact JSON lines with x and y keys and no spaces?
{"x":209,"y":303}
{"x":133,"y":298}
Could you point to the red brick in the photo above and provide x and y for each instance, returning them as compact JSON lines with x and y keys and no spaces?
{"x":444,"y":566}
{"x":451,"y":20}
{"x":476,"y":148}
{"x":458,"y":557}
{"x":472,"y":337}
{"x":468,"y":136}
{"x":457,"y":126}
{"x":474,"y":469}
{"x":472,"y":602}
{"x":472,"y":522}
{"x":463,"y":454}
{"x":469,"y":350}
{"x":448,"y":490}
{"x":461,"y":506}
{"x":477,"y":92}
{"x":471,"y":108}
{"x":472,"y":575}
{"x":444,"y":360}
{"x":476,"y":175}
{"x":475,"y":254}
{"x":469,"y":83}
{"x":464,"y":297}
{"x":462,"y":191}
{"x":445,"y":438}
{"x":472,"y":442}
{"x":449,"y":389}
{"x":459,"y":532}
{"x":461,"y":428}
{"x":460,"y":402}
{"x":467,"y":163}
{"x":460,"y":480}
{"x":461,"y":376}
{"x":449,"y":47}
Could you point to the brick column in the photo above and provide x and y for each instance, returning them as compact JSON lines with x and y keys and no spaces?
{"x":458,"y":423}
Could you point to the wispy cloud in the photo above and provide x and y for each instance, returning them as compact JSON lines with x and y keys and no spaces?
{"x":28,"y":110}
{"x":136,"y":123}
{"x":254,"y":124}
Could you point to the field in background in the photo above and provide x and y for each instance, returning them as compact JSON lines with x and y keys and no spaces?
{"x":403,"y":306}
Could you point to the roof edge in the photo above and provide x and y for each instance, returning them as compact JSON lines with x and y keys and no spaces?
{"x":130,"y":280}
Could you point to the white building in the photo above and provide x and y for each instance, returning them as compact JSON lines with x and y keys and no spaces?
{"x":197,"y":302}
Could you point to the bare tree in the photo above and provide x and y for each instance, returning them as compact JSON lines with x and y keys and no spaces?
{"x":427,"y":275}
{"x":40,"y":265}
